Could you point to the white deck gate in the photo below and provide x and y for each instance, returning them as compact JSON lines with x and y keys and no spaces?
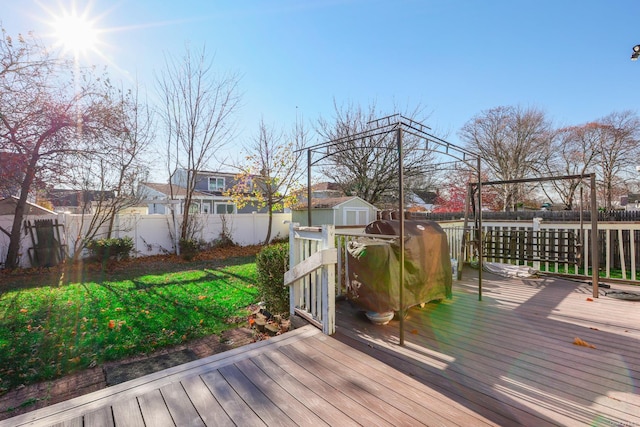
{"x":312,"y":277}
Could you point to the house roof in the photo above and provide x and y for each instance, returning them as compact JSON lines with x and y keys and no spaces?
{"x":8,"y":207}
{"x":75,"y":198}
{"x":177,"y":190}
{"x":329,"y":203}
{"x":428,"y":197}
{"x":323,"y":186}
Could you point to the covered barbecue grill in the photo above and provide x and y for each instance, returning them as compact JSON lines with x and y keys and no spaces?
{"x":374,"y":266}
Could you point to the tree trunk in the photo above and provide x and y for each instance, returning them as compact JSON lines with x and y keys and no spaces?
{"x":270,"y":211}
{"x":13,"y":252}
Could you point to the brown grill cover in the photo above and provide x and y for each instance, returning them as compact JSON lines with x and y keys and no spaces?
{"x":373,"y":266}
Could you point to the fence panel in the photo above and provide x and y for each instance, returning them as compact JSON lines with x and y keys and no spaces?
{"x":153,"y":234}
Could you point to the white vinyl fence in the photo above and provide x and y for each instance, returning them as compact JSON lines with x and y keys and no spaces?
{"x":152,"y":234}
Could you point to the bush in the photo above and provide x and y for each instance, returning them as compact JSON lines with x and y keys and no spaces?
{"x":271,"y":264}
{"x":105,"y":249}
{"x":189,"y":248}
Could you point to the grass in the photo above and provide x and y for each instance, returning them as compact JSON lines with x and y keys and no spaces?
{"x":50,"y":330}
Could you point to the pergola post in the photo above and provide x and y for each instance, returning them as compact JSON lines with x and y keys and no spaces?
{"x":595,"y":255}
{"x":401,"y":229}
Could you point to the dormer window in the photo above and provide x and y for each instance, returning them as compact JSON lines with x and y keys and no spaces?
{"x":216,"y":184}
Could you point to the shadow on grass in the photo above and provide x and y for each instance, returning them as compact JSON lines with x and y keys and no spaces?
{"x":95,"y":272}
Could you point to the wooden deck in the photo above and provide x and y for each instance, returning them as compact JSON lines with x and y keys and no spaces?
{"x":506,"y":360}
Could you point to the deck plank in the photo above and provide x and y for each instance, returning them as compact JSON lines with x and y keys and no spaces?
{"x":237,"y":409}
{"x":207,"y":406}
{"x":126,"y":413}
{"x":154,"y":410}
{"x":304,"y":394}
{"x":335,"y":396}
{"x":180,"y":406}
{"x":297,"y":412}
{"x":75,"y":422}
{"x":358,"y":388}
{"x":260,"y":403}
{"x":99,"y":418}
{"x":413,"y":392}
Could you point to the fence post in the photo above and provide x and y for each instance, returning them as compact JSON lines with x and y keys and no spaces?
{"x":536,"y":242}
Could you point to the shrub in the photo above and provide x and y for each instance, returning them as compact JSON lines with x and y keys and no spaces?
{"x":189,"y":248}
{"x":105,"y":249}
{"x":271,"y":264}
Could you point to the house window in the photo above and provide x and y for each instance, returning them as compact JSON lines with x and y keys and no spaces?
{"x":216,"y":184}
{"x":225,"y":208}
{"x":194,"y":208}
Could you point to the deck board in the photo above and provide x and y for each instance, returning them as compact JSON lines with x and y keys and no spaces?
{"x":154,"y":410}
{"x":208,"y":407}
{"x":330,"y":413}
{"x":126,"y":413}
{"x":507,"y":360}
{"x":180,"y":407}
{"x":296,"y":411}
{"x":239,"y":411}
{"x":102,"y":417}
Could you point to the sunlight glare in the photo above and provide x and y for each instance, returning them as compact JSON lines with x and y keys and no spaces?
{"x":75,"y":33}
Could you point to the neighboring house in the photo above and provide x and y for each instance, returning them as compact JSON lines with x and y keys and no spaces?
{"x":422,"y":199}
{"x":76,"y":201}
{"x":630,"y":202}
{"x":208,"y":196}
{"x":339,"y":211}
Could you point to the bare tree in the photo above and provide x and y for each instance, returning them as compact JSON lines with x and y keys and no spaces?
{"x":368,"y":167}
{"x":50,"y":112}
{"x":573,"y":151}
{"x":198,"y":118}
{"x":272,"y":171}
{"x":618,"y":151}
{"x":511,"y":141}
{"x":112,"y":172}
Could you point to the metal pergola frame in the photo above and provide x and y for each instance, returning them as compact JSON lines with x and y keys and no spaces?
{"x":595,"y":245}
{"x":382,"y":127}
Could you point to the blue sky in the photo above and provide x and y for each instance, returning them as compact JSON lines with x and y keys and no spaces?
{"x":455,"y":58}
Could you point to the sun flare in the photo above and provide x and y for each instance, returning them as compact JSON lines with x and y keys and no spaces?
{"x":75,"y":33}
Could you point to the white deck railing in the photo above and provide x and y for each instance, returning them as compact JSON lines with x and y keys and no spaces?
{"x":560,"y":247}
{"x":319,"y":270}
{"x":311,"y":278}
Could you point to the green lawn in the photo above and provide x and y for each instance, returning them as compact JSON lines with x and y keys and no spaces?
{"x":48,"y":331}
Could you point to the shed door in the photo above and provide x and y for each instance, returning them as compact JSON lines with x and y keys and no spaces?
{"x":356,"y":216}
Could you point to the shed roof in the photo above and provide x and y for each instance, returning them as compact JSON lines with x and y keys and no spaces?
{"x":8,"y":207}
{"x":329,"y":203}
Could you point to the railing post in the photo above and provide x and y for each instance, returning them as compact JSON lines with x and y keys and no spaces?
{"x":328,"y":284}
{"x":294,"y":290}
